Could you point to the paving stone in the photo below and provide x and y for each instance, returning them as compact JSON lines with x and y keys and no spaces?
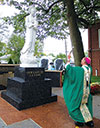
{"x":96,"y":106}
{"x":2,"y":124}
{"x":96,"y":101}
{"x":29,"y":123}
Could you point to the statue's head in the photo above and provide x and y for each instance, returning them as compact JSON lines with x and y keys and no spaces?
{"x":32,"y":9}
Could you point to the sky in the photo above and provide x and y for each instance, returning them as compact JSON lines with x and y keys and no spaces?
{"x":6,"y":10}
{"x":51,"y":45}
{"x":55,"y":46}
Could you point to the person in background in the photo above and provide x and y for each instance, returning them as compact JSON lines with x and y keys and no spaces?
{"x":76,"y":91}
{"x":51,"y":66}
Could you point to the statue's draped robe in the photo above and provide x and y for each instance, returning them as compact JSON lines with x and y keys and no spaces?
{"x":73,"y":87}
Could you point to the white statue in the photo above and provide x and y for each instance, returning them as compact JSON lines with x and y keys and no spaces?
{"x":27,"y":53}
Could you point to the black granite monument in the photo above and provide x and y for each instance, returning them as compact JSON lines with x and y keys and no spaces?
{"x":44,"y":63}
{"x":55,"y":76}
{"x":58,"y":64}
{"x":28,"y":88}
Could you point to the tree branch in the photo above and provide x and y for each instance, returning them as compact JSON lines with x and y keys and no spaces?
{"x":47,"y":10}
{"x":89,"y":8}
{"x":52,"y":5}
{"x":85,"y":5}
{"x":83,"y":22}
{"x":39,"y":5}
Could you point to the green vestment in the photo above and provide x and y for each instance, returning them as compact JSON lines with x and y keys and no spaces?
{"x":73,"y":92}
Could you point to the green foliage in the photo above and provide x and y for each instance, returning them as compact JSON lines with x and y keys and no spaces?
{"x":3,"y":30}
{"x":18,"y":22}
{"x":95,"y":79}
{"x":2,"y":48}
{"x":51,"y":54}
{"x":1,"y":45}
{"x":86,"y":53}
{"x":52,"y":16}
{"x":61,"y":56}
{"x":51,"y":21}
{"x":14,"y":47}
{"x":38,"y":49}
{"x":10,"y":61}
{"x":1,"y":1}
{"x":87,"y":12}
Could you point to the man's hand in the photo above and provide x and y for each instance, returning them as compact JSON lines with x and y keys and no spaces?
{"x":69,"y":56}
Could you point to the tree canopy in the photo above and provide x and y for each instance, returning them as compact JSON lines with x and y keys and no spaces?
{"x":58,"y":18}
{"x":52,"y":15}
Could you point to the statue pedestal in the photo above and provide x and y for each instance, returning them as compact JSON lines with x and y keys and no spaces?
{"x":28,"y":88}
{"x":28,"y":60}
{"x":28,"y":65}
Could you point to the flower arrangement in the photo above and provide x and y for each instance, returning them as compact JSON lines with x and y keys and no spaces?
{"x":95,"y":88}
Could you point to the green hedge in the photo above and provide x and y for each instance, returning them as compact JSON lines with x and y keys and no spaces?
{"x":95,"y":79}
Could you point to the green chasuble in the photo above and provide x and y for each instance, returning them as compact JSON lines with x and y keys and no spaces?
{"x":73,"y":87}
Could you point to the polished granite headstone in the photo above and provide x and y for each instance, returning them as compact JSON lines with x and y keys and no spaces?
{"x":28,"y":88}
{"x":58,"y":63}
{"x":55,"y":76}
{"x":44,"y":63}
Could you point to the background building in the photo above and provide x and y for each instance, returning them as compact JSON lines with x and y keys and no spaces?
{"x":94,"y":47}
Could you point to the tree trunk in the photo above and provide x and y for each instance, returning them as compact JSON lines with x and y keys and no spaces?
{"x":75,"y":34}
{"x":66,"y":49}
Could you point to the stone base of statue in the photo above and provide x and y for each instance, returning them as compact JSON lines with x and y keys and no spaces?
{"x":28,"y":60}
{"x":28,"y":88}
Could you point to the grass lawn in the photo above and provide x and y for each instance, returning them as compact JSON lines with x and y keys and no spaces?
{"x":95,"y":79}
